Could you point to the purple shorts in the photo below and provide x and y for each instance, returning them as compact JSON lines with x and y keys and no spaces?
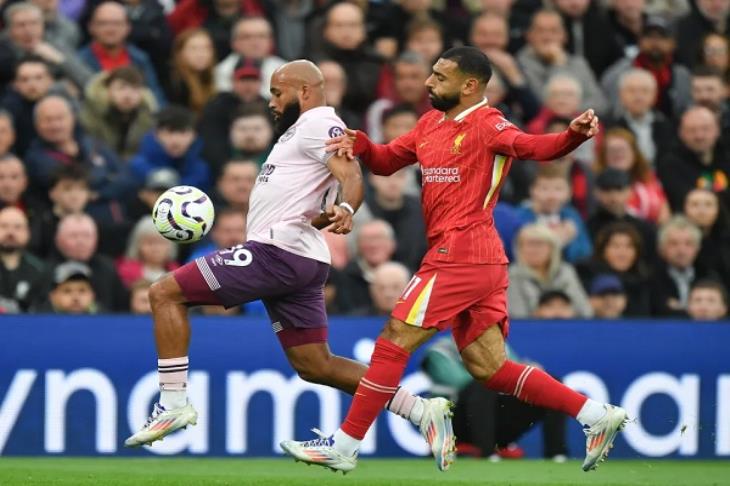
{"x":291,"y":287}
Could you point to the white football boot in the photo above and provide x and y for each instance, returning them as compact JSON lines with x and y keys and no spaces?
{"x":320,"y":451}
{"x":600,"y":436}
{"x":161,"y":423}
{"x":436,"y":428}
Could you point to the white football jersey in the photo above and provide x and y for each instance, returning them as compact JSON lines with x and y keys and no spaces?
{"x":295,"y":185}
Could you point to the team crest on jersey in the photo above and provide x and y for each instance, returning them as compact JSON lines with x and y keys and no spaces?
{"x":287,"y":135}
{"x":456,"y":148}
{"x":336,"y":132}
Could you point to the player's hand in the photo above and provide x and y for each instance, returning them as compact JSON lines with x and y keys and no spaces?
{"x":586,"y":124}
{"x":342,"y":145}
{"x":340,"y":218}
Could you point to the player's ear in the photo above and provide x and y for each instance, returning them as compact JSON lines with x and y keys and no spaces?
{"x":471,"y":86}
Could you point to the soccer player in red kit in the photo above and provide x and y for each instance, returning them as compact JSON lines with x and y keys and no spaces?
{"x":465,"y":148}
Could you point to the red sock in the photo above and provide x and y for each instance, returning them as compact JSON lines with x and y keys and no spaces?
{"x":536,"y":387}
{"x":377,"y":387}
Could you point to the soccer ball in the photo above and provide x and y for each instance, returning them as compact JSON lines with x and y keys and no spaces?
{"x":183,"y":214}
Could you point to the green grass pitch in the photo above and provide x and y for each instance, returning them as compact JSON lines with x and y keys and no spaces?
{"x":370,"y":472}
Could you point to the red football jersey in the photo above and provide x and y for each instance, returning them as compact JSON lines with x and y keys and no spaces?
{"x":464,"y":162}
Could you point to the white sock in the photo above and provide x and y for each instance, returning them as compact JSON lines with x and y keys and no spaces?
{"x":345,"y":444}
{"x":408,"y":406}
{"x":173,"y":399}
{"x":591,"y":413}
{"x":417,"y":412}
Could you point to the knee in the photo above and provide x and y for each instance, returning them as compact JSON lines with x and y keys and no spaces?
{"x":484,"y":370}
{"x":314,"y":370}
{"x":165,"y":291}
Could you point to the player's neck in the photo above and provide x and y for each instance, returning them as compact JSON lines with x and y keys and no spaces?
{"x":310,"y":106}
{"x":464,"y":105}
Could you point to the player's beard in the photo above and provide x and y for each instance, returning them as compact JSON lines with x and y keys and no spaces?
{"x":287,"y":118}
{"x":444,"y":103}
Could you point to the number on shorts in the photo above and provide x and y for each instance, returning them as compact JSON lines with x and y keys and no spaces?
{"x":241,"y":257}
{"x":411,"y":285}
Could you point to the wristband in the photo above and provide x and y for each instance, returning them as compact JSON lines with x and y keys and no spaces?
{"x":346,"y":206}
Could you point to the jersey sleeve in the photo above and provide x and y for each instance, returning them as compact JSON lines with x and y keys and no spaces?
{"x":387,"y":159}
{"x":316,"y":133}
{"x":505,"y":138}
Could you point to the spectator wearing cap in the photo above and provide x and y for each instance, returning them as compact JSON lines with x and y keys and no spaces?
{"x":619,"y":251}
{"x":191,"y":75}
{"x":608,"y":297}
{"x":634,"y":111}
{"x":173,"y":144}
{"x":21,"y":273}
{"x":545,"y":56}
{"x":708,"y":16}
{"x":613,"y":193}
{"x":76,"y":240}
{"x":656,"y":55}
{"x":252,"y":41}
{"x":554,"y":304}
{"x":700,"y":158}
{"x":335,"y":87}
{"x":72,"y":291}
{"x":157,"y":181}
{"x":118,"y":110}
{"x":539,"y":267}
{"x":109,"y":48}
{"x":707,"y":301}
{"x":149,"y":255}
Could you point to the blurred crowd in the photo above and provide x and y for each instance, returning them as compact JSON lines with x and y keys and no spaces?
{"x":104,"y":105}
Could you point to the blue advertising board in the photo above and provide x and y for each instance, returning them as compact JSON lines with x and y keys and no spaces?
{"x":80,"y":385}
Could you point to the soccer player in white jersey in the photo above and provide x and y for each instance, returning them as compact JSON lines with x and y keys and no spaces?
{"x":284,"y":262}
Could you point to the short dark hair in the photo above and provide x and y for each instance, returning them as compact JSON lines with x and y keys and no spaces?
{"x":69,"y":173}
{"x":175,"y":118}
{"x":554,"y":294}
{"x":471,"y":61}
{"x":711,"y":284}
{"x":128,"y":74}
{"x":702,"y":71}
{"x":401,"y":109}
{"x":250,"y":111}
{"x":32,"y":59}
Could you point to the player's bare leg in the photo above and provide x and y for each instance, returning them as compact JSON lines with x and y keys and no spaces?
{"x":374,"y":389}
{"x":486,"y":360}
{"x":172,"y":335}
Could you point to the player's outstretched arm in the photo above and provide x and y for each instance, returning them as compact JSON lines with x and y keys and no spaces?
{"x":348,"y":174}
{"x":380,"y":159}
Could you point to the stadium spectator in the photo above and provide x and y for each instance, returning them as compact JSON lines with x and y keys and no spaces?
{"x":191,"y":79}
{"x":627,"y":21}
{"x":389,"y":280}
{"x":702,"y":207}
{"x":539,"y":267}
{"x":14,"y":193}
{"x":228,"y":230}
{"x":118,"y":110}
{"x":388,"y":201}
{"x":21,"y":272}
{"x":554,"y":304}
{"x":33,"y":80}
{"x":376,"y":245}
{"x":149,"y":255}
{"x":614,"y":192}
{"x":425,"y":37}
{"x":345,"y":43}
{"x":715,"y":53}
{"x":109,"y":47}
{"x":157,"y":182}
{"x":235,"y":184}
{"x":76,"y":240}
{"x":518,"y":13}
{"x":590,"y":34}
{"x":488,"y":423}
{"x":335,"y":87}
{"x":653,"y":131}
{"x":707,"y":301}
{"x":709,"y":90}
{"x":150,"y":32}
{"x":409,"y":75}
{"x":549,"y":203}
{"x":545,"y":55}
{"x":646,"y":200}
{"x":398,"y":121}
{"x":58,"y":30}
{"x":656,"y":50}
{"x":24,"y":36}
{"x":619,"y":250}
{"x":708,"y":16}
{"x":562,"y":98}
{"x":608,"y":297}
{"x":251,"y":135}
{"x":139,"y":297}
{"x":172,"y":144}
{"x":700,"y":159}
{"x":252,"y":40}
{"x":215,"y":121}
{"x":7,"y":132}
{"x":679,"y":245}
{"x":73,"y":291}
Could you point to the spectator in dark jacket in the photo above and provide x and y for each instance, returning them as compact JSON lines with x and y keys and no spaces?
{"x":21,"y":272}
{"x":173,"y":144}
{"x":703,"y":208}
{"x":707,"y":16}
{"x":150,"y":32}
{"x":109,"y":28}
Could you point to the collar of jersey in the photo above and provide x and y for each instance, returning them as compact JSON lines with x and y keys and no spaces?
{"x":458,"y":118}
{"x":314,"y":111}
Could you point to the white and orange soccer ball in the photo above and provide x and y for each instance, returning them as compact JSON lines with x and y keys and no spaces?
{"x":183,"y":214}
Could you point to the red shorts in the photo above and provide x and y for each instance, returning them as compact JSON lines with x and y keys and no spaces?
{"x":467,"y":298}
